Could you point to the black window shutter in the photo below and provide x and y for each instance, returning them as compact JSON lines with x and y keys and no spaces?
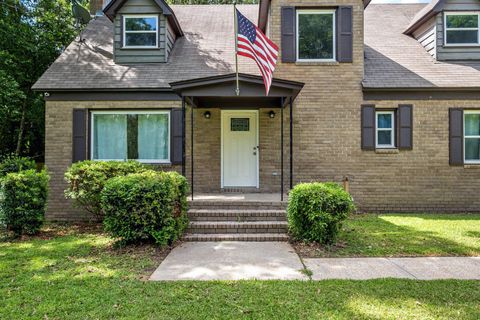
{"x":121,"y":31}
{"x":368,"y":127}
{"x":288,"y":34}
{"x":177,"y":143}
{"x":456,"y":136}
{"x":344,"y":34}
{"x":79,"y":134}
{"x":405,"y":126}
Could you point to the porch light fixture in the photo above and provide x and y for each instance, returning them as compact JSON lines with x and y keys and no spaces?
{"x":271,"y":114}
{"x":207,"y":114}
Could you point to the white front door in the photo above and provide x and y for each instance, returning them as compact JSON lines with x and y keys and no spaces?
{"x":239,"y":148}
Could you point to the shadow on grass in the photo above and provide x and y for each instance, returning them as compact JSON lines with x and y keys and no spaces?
{"x":81,"y":277}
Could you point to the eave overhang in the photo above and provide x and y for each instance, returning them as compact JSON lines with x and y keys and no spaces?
{"x":219,"y":91}
{"x":431,"y":10}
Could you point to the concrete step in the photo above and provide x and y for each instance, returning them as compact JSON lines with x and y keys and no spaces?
{"x":237,"y":227}
{"x":236,"y":237}
{"x":237,"y":205}
{"x":236,"y":215}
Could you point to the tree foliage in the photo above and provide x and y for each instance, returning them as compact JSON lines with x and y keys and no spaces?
{"x":32,"y":35}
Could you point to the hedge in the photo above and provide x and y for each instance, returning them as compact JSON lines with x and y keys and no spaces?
{"x":23,"y":201}
{"x":145,"y":206}
{"x":316,"y":211}
{"x":86,"y":180}
{"x":13,"y":163}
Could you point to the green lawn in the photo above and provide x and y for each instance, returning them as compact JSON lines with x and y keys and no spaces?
{"x":78,"y":275}
{"x":404,"y":235}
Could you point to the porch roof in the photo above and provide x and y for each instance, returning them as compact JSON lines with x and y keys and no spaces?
{"x":219,"y":91}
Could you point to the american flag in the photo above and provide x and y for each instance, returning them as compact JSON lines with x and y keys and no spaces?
{"x":252,"y":43}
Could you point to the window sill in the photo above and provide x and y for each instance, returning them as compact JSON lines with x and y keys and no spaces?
{"x":471,"y":166}
{"x":317,"y":63}
{"x":139,"y":48}
{"x":387,"y":151}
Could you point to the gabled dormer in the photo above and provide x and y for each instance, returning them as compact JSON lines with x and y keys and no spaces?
{"x":449,"y":29}
{"x":144,"y":30}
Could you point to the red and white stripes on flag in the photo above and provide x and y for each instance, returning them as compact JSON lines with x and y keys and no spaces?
{"x":252,"y":43}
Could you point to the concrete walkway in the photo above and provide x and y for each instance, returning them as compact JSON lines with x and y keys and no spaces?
{"x":230,"y":260}
{"x":422,"y":268}
{"x":277,"y":260}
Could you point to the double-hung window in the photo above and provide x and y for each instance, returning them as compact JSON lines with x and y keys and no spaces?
{"x":462,"y":28}
{"x":385,"y":129}
{"x":315,"y":35}
{"x":139,"y":135}
{"x":471,"y":136}
{"x":140,"y":31}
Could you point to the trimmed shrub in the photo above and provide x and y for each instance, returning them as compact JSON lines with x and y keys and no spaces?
{"x":86,"y":180}
{"x":146,"y":206}
{"x":316,"y":211}
{"x":13,"y":163}
{"x":23,"y":201}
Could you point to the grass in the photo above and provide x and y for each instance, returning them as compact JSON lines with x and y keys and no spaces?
{"x":77,"y":274}
{"x":403,"y":235}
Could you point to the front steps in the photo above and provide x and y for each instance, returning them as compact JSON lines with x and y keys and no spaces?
{"x":237,"y":221}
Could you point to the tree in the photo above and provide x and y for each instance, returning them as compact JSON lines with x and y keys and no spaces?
{"x":32,"y":35}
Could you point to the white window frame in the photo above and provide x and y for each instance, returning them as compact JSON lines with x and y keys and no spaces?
{"x":161,"y":161}
{"x":125,"y":17}
{"x":392,"y":129}
{"x":311,"y":11}
{"x":465,"y":112}
{"x":445,"y":29}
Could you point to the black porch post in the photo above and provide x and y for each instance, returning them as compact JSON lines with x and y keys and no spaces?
{"x":281,"y":150}
{"x":291,"y":143}
{"x":191,"y":144}
{"x":183,"y":136}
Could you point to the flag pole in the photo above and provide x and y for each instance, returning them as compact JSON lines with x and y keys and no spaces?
{"x":237,"y":90}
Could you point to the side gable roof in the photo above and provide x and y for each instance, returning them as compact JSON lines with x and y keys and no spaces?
{"x":112,"y":8}
{"x":430,"y":10}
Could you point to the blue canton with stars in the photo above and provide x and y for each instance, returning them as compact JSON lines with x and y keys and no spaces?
{"x":246,"y":28}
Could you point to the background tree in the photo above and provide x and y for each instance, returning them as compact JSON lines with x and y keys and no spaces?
{"x":32,"y":35}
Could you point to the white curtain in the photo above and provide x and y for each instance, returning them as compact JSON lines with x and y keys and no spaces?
{"x":153,"y":136}
{"x":110,"y":136}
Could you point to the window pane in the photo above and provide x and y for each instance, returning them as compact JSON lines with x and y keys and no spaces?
{"x":134,"y":24}
{"x":384,"y":137}
{"x":462,"y":21}
{"x":384,"y":120}
{"x":315,"y":36}
{"x":110,"y":136}
{"x":140,"y":39}
{"x":463,"y":36}
{"x":240,"y":124}
{"x":472,"y":148}
{"x":153,"y":136}
{"x":472,"y":124}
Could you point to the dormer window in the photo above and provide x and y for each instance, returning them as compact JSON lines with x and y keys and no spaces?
{"x":462,"y":29}
{"x":140,"y":31}
{"x":315,"y":35}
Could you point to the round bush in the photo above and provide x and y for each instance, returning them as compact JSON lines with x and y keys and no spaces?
{"x":22,"y":201}
{"x":86,"y":180}
{"x":316,"y":211}
{"x":145,"y":206}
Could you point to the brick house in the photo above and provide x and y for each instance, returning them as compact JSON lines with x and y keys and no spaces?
{"x":386,"y":96}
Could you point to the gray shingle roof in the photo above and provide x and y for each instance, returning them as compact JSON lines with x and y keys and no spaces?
{"x":205,"y":50}
{"x":392,"y":59}
{"x":395,"y":60}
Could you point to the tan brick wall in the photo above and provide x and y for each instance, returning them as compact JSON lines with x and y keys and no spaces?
{"x":207,"y":148}
{"x":58,"y":147}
